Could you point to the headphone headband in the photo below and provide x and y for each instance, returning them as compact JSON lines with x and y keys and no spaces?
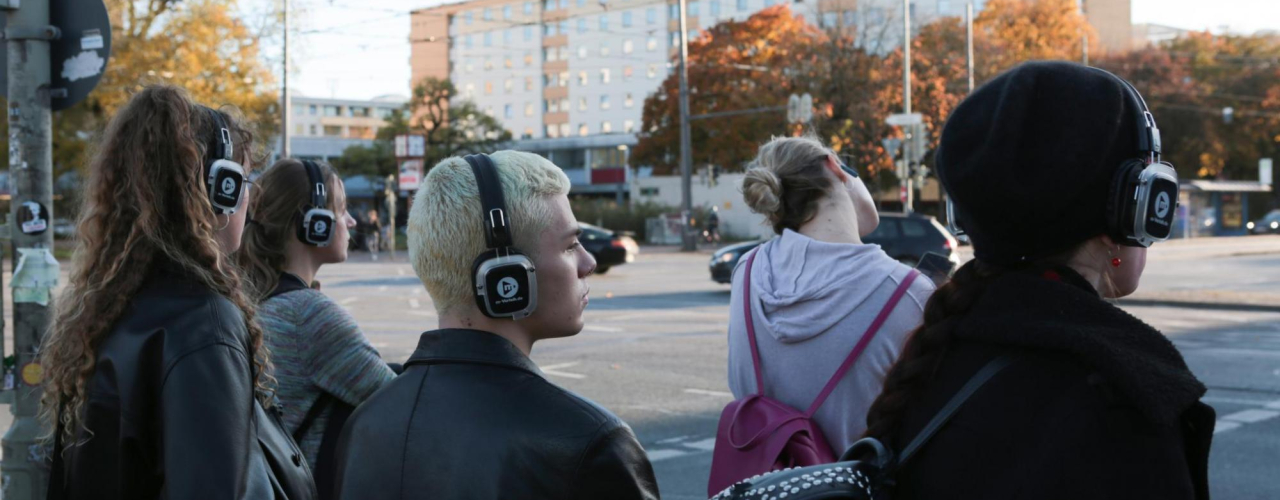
{"x":319,"y":193}
{"x":1148,"y":132}
{"x":221,"y":147}
{"x":497,"y":223}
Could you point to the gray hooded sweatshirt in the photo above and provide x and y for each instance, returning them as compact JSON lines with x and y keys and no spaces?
{"x":811,"y":302}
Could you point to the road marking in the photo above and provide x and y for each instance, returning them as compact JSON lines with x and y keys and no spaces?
{"x":1251,"y":416}
{"x":1234,"y":401}
{"x":1224,"y":426}
{"x":417,"y":290}
{"x":348,"y":300}
{"x":704,"y":392}
{"x":400,"y":271}
{"x":1274,"y":405}
{"x":554,"y":370}
{"x":382,"y":288}
{"x":676,"y":439}
{"x":414,"y":303}
{"x":664,"y":454}
{"x":602,"y":329}
{"x":429,"y":314}
{"x":708,"y":444}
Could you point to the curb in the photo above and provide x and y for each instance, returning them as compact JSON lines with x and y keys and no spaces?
{"x":1184,"y":304}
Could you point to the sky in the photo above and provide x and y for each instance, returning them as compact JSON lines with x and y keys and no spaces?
{"x":358,"y":49}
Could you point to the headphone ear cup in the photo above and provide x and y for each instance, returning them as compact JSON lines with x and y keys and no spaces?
{"x":1120,"y":203}
{"x":476,"y":280}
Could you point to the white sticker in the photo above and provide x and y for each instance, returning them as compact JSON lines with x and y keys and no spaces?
{"x":91,"y":42}
{"x":85,"y":65}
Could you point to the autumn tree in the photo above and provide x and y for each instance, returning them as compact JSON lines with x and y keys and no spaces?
{"x":732,"y":66}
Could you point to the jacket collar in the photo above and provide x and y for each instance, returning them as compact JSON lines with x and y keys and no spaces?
{"x":1056,"y":310}
{"x":469,"y":346}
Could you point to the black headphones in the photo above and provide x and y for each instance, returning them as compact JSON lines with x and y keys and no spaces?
{"x":1143,"y":199}
{"x":224,"y":177}
{"x":505,"y":282}
{"x":316,"y":228}
{"x":1144,"y":192}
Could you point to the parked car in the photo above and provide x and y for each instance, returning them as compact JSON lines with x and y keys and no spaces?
{"x":1268,"y":224}
{"x":905,"y":237}
{"x":610,"y":248}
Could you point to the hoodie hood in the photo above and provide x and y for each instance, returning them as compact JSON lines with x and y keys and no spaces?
{"x":806,"y":287}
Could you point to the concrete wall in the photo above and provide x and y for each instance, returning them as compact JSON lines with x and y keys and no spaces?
{"x":735,"y":218}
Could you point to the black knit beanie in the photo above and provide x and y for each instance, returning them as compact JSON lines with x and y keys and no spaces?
{"x":1028,"y":159}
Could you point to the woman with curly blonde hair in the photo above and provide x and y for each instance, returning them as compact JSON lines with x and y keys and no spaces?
{"x":156,"y":374}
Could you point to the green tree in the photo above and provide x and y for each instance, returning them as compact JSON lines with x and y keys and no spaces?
{"x":451,"y":127}
{"x":377,"y":159}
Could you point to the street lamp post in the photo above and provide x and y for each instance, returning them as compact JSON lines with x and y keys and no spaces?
{"x":686,"y":148}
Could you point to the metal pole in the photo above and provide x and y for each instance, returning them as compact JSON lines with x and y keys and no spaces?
{"x":284,"y":94}
{"x":908,"y":151}
{"x":24,"y":466}
{"x":1084,"y":35}
{"x":968,"y":32}
{"x":686,"y":149}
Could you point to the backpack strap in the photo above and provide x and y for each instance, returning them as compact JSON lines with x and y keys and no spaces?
{"x":866,"y":339}
{"x":751,"y":328}
{"x":288,"y":282}
{"x":990,"y":370}
{"x":317,"y":407}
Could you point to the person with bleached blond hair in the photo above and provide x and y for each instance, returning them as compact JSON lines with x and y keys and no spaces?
{"x":495,"y":244}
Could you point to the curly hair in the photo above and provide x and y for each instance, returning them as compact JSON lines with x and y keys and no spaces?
{"x":283,"y":191}
{"x":145,"y":204}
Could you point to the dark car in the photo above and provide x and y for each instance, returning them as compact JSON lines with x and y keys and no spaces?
{"x":905,"y":237}
{"x":1268,"y":224}
{"x":608,"y":247}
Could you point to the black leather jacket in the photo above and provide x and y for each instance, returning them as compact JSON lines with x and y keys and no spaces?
{"x":472,"y":417}
{"x":170,"y":408}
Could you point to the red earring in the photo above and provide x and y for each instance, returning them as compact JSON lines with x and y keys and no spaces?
{"x":1115,"y":262}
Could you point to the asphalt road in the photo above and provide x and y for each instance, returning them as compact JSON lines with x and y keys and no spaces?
{"x":654,"y":350}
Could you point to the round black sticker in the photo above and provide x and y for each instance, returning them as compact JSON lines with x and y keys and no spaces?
{"x":33,"y":218}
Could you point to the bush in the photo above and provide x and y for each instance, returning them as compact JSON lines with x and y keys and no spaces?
{"x":609,"y":215}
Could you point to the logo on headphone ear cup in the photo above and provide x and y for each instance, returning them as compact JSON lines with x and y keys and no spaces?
{"x":228,"y":186}
{"x":508,"y":287}
{"x":321,"y":227}
{"x":1162,"y":205}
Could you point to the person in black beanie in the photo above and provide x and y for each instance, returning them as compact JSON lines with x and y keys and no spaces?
{"x":1055,"y":176}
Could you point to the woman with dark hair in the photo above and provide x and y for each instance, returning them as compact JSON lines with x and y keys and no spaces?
{"x":324,"y":364}
{"x":1055,"y":174}
{"x":156,"y":377}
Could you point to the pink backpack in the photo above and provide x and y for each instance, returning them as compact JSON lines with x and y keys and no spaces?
{"x":758,"y":434}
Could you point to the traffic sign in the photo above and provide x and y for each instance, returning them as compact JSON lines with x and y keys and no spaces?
{"x":77,"y":56}
{"x":901,"y":119}
{"x":891,"y":145}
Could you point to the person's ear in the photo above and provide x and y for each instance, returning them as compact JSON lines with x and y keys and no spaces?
{"x":833,"y":165}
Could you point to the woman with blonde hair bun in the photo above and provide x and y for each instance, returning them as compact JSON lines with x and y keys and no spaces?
{"x":815,"y":290}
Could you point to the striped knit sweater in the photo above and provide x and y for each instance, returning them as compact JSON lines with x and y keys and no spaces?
{"x":316,"y":346}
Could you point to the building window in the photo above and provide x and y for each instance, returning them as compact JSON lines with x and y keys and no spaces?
{"x":548,"y":54}
{"x":552,"y":132}
{"x":742,"y":5}
{"x":582,"y":78}
{"x":651,"y":15}
{"x":582,"y":104}
{"x":312,"y":109}
{"x":468,"y":68}
{"x":582,"y":52}
{"x":627,"y":46}
{"x":528,"y":58}
{"x":582,"y":3}
{"x":332,"y":111}
{"x":564,"y":27}
{"x":528,"y":109}
{"x":626,"y":73}
{"x":299,"y":129}
{"x":506,"y":37}
{"x":628,"y":101}
{"x":604,"y":50}
{"x":466,"y":41}
{"x":506,"y":12}
{"x":506,"y":62}
{"x":606,"y":127}
{"x":673,"y":11}
{"x":506,"y":111}
{"x":488,"y":39}
{"x":675,"y":38}
{"x":488,"y":63}
{"x":314,"y":130}
{"x":528,"y":134}
{"x":469,"y":90}
{"x":509,"y":84}
{"x":850,"y":17}
{"x":528,"y":8}
{"x":652,"y":44}
{"x":332,"y":131}
{"x":693,"y":9}
{"x":359,"y":112}
{"x":769,"y":3}
{"x":564,"y":78}
{"x":564,"y":105}
{"x":604,"y":22}
{"x":488,"y":14}
{"x":628,"y":126}
{"x":564,"y":130}
{"x":604,"y":75}
{"x":528,"y":33}
{"x":653,"y":71}
{"x":715,"y":9}
{"x":604,"y":101}
{"x":488,"y":88}
{"x":582,"y":129}
{"x":528,"y":83}
{"x":830,"y":19}
{"x":548,"y":29}
{"x":582,"y":25}
{"x":626,"y":19}
{"x":549,"y":5}
{"x":564,"y":4}
{"x":466,"y":17}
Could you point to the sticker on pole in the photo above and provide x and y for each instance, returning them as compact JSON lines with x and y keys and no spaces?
{"x":33,"y":218}
{"x":32,"y":374}
{"x":35,"y":276}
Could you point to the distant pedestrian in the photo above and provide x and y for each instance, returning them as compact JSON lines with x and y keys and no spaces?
{"x":325,"y":366}
{"x":472,"y":417}
{"x":816,"y":290}
{"x":1055,"y":174}
{"x":157,"y":381}
{"x":373,"y":234}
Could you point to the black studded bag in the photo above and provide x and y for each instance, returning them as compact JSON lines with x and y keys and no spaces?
{"x":870,"y":477}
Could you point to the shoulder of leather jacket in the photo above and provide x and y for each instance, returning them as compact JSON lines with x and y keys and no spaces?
{"x":196,"y":316}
